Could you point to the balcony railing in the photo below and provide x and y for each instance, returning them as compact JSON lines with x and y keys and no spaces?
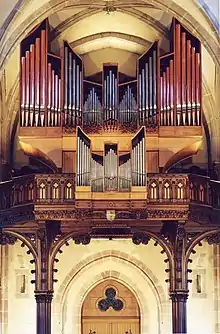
{"x":60,"y":189}
{"x":39,"y":188}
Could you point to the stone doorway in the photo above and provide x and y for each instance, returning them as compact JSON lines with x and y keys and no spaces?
{"x":110,"y":308}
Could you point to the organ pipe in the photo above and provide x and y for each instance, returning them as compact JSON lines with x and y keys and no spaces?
{"x":83,"y":158}
{"x":169,"y":85}
{"x":125,"y":172}
{"x":92,"y":106}
{"x":181,"y":69}
{"x":138,"y":159}
{"x":110,"y":93}
{"x":72,"y":87}
{"x":54,"y":96}
{"x":128,"y":103}
{"x":147,"y":87}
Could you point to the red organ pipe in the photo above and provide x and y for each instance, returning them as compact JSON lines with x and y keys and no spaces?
{"x":37,"y":81}
{"x":189,"y":82}
{"x":45,"y":87}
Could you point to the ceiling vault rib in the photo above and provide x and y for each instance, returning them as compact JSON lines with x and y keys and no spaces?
{"x":128,"y":37}
{"x":146,"y":19}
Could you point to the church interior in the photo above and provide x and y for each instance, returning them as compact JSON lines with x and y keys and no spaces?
{"x":109,"y":167}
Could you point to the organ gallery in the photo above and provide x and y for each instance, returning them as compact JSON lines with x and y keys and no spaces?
{"x":109,"y":156}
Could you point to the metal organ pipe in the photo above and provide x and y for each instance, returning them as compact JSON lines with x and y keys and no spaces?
{"x":23,"y":85}
{"x":27,"y":74}
{"x":154,"y":82}
{"x":183,"y":63}
{"x":193,"y":87}
{"x":178,"y":72}
{"x":32,"y":61}
{"x":171,"y":92}
{"x":198,"y":80}
{"x":189,"y":81}
{"x":49,"y":92}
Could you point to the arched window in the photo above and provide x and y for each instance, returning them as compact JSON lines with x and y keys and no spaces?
{"x":167,"y":190}
{"x":180,"y":190}
{"x":69,"y":191}
{"x":55,"y":191}
{"x":42,"y":191}
{"x":30,"y":192}
{"x":153,"y":191}
{"x":201,"y":193}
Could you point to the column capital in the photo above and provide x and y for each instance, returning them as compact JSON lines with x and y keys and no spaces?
{"x":43,"y":296}
{"x":179,"y":295}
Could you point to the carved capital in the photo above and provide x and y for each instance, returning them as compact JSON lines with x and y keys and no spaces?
{"x":7,"y":239}
{"x":179,"y":295}
{"x":43,"y":296}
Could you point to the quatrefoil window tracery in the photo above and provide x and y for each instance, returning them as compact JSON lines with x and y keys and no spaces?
{"x":110,"y":301}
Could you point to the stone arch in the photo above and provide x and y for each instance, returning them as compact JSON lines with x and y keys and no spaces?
{"x":27,"y":242}
{"x":124,"y":258}
{"x":195,"y":241}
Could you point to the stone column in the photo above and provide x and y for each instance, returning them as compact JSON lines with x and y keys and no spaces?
{"x":179,"y":319}
{"x":216,"y":268}
{"x":43,"y":300}
{"x":4,"y":289}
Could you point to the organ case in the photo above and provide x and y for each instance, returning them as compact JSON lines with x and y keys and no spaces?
{"x":166,"y":91}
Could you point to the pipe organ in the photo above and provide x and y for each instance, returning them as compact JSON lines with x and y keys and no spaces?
{"x":148,"y":86}
{"x":72,"y":87}
{"x":127,"y":113}
{"x":54,"y":91}
{"x":165,"y":92}
{"x":111,"y":170}
{"x":92,"y":105}
{"x":110,"y":93}
{"x":33,"y":93}
{"x":180,"y":80}
{"x":83,"y":159}
{"x":138,"y":159}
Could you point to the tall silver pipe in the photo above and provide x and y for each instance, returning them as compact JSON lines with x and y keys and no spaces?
{"x":146,"y":89}
{"x":150,"y":86}
{"x":74,"y":84}
{"x":66,"y":78}
{"x":139,"y":91}
{"x":77,"y":87}
{"x":155,"y":81}
{"x":70,"y":81}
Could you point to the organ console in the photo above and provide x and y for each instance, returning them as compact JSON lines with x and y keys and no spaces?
{"x":166,"y":92}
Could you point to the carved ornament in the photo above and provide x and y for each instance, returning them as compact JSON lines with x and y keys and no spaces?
{"x":169,"y":214}
{"x":7,"y":239}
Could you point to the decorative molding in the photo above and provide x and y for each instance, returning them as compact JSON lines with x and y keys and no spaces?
{"x":43,"y":296}
{"x":10,"y":217}
{"x":168,"y":214}
{"x":55,"y":214}
{"x":7,"y":239}
{"x":140,"y":238}
{"x":83,"y":239}
{"x":213,"y":239}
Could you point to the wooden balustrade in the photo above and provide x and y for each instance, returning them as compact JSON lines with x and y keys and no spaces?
{"x":39,"y":188}
{"x":60,"y":189}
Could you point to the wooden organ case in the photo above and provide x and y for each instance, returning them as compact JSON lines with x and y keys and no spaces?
{"x":111,"y":129}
